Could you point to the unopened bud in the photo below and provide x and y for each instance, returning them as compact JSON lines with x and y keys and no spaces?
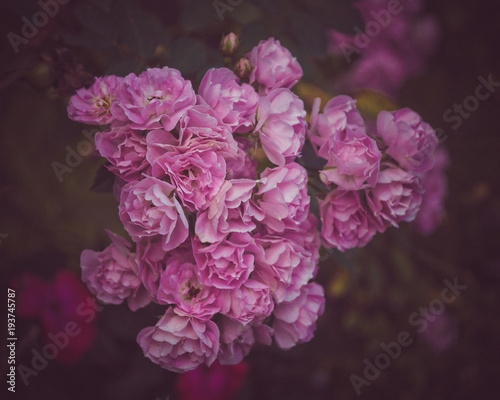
{"x":229,"y":43}
{"x":243,"y":67}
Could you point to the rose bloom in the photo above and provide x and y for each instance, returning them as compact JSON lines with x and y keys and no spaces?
{"x":180,"y":285}
{"x":228,"y":263}
{"x":125,"y":149}
{"x":93,"y":105}
{"x":282,"y":197}
{"x":281,"y":125}
{"x":157,"y":98}
{"x":180,"y":343}
{"x":396,"y":197}
{"x":149,"y":207}
{"x":112,"y":274}
{"x":235,"y":103}
{"x":295,"y":321}
{"x":346,"y":222}
{"x":273,"y":66}
{"x":410,"y":141}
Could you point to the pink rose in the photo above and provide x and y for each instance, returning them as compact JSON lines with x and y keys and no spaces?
{"x":295,"y":321}
{"x":410,"y":141}
{"x":93,"y":105}
{"x":281,"y":125}
{"x":125,"y":149}
{"x":112,"y":274}
{"x":157,"y":98}
{"x":273,"y":66}
{"x":346,"y":222}
{"x":179,"y":343}
{"x":396,"y":197}
{"x":252,"y":301}
{"x":148,"y":208}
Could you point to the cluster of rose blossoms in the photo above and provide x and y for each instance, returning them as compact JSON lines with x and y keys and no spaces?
{"x":226,"y":244}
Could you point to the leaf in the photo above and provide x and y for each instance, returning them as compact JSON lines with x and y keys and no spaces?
{"x":103,"y":181}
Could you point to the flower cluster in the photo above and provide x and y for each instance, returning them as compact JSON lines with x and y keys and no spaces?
{"x":226,"y":244}
{"x":374,"y":179}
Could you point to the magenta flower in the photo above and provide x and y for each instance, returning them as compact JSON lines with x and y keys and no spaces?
{"x":157,"y":98}
{"x":148,"y":208}
{"x":112,"y":274}
{"x":179,"y":343}
{"x":93,"y":105}
{"x":396,"y":197}
{"x":295,"y":321}
{"x":410,"y":141}
{"x":252,"y":301}
{"x":235,"y":103}
{"x":228,"y":263}
{"x":229,"y":211}
{"x":435,"y":186}
{"x":273,"y":66}
{"x":281,"y":125}
{"x":125,"y":149}
{"x":180,"y":285}
{"x":346,"y":222}
{"x":282,"y":198}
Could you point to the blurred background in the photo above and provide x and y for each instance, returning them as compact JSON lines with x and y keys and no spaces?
{"x":430,"y":57}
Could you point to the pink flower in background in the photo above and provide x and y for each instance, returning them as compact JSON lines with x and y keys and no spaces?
{"x":229,"y":211}
{"x":281,"y":125}
{"x":218,"y":382}
{"x":226,"y":264}
{"x":179,"y":343}
{"x":396,"y":197}
{"x":346,"y":222}
{"x":180,"y":285}
{"x":55,"y":304}
{"x":125,"y":149}
{"x":155,"y":99}
{"x":149,"y":207}
{"x":93,"y":105}
{"x":112,"y":274}
{"x":235,"y":103}
{"x":410,"y":141}
{"x":273,"y":66}
{"x":282,"y":199}
{"x":435,"y":185}
{"x":441,"y":332}
{"x":295,"y":321}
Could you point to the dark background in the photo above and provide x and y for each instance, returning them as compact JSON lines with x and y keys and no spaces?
{"x":370,"y":293}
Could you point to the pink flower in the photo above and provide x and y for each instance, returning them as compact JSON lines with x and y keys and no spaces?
{"x":179,"y":343}
{"x":252,"y":301}
{"x":219,"y":382}
{"x":229,"y":211}
{"x":435,"y":186}
{"x":112,"y":274}
{"x":295,"y":321}
{"x":148,"y":208}
{"x":237,"y":339}
{"x":93,"y":105}
{"x":396,"y":197}
{"x":346,"y":222}
{"x":235,"y":103}
{"x":410,"y":141}
{"x":228,"y":263}
{"x":273,"y":66}
{"x":125,"y":149}
{"x":55,"y":304}
{"x":179,"y":285}
{"x":354,"y":161}
{"x":157,"y":98}
{"x":197,"y":172}
{"x":282,"y":197}
{"x":281,"y":125}
{"x":339,"y":114}
{"x":229,"y":44}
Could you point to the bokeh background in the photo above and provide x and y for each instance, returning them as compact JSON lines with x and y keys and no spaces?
{"x":46,"y":220}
